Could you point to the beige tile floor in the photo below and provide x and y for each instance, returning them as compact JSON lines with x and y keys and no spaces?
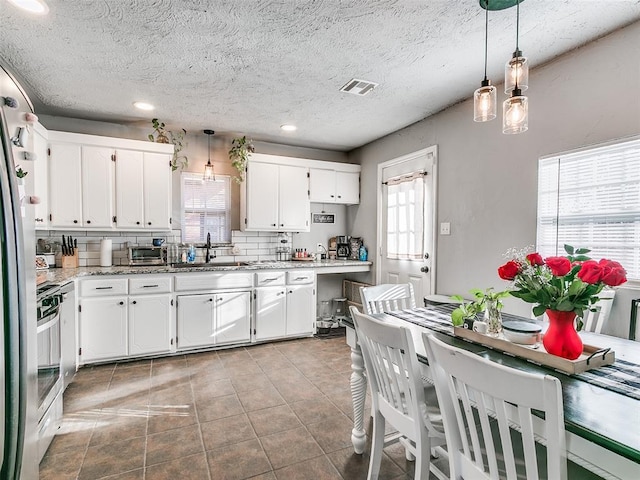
{"x":274,"y":411}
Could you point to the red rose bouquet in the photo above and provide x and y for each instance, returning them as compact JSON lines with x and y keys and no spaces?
{"x":567,"y":284}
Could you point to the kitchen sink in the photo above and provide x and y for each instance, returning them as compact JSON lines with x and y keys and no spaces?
{"x":212,"y":264}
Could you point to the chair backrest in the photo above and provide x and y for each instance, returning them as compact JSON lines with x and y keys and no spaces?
{"x":594,"y":321}
{"x":387,"y":297}
{"x":393,"y":373}
{"x":464,"y":380}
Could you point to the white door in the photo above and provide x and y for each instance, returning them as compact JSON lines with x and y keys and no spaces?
{"x":294,"y":204}
{"x":129,"y":189}
{"x":97,"y":187}
{"x":149,"y":324}
{"x":262,"y":197}
{"x":270,"y":311}
{"x":157,"y":191}
{"x":103,"y":328}
{"x":65,"y":185}
{"x":406,"y":213}
{"x":232,"y":320}
{"x":301,"y":309}
{"x":195,"y":321}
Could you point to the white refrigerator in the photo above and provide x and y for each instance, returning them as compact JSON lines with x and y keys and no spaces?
{"x":18,"y":337}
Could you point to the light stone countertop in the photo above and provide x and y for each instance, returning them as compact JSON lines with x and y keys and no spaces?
{"x":63,"y":275}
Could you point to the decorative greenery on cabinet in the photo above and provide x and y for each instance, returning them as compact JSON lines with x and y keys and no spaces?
{"x":241,"y":150}
{"x":162,"y":135}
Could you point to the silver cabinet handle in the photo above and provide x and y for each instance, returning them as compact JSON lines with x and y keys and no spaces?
{"x":150,"y":286}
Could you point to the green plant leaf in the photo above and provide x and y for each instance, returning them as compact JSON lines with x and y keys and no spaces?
{"x":582,"y":251}
{"x":569,"y":249}
{"x":539,"y":310}
{"x":457,"y":317}
{"x":581,"y":258}
{"x":576,"y":287}
{"x":457,"y":297}
{"x":565,"y":305}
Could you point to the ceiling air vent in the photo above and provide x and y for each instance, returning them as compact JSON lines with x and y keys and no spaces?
{"x":358,"y":87}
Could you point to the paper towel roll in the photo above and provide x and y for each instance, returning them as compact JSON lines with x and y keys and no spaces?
{"x":105,"y":252}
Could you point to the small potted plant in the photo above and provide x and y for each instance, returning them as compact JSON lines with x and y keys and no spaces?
{"x":167,"y":136}
{"x":241,"y":149}
{"x":486,"y":301}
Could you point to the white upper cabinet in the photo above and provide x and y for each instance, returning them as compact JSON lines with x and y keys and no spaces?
{"x":97,"y":187}
{"x":106,"y":183}
{"x":65,"y":185}
{"x":129,"y":189}
{"x":156,"y":181}
{"x":276,"y":198}
{"x":332,"y":186}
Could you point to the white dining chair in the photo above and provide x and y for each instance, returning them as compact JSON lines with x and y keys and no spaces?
{"x":595,"y":321}
{"x":397,"y":395}
{"x":387,"y":297}
{"x":483,"y":402}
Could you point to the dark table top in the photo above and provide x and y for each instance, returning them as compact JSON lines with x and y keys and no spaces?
{"x":604,"y":417}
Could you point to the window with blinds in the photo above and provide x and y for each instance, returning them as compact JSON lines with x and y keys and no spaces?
{"x":206,"y":208}
{"x":591,"y":198}
{"x":405,"y":213}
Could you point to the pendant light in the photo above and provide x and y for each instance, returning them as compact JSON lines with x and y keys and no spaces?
{"x":516,"y":70}
{"x":208,"y":168}
{"x":484,"y":98}
{"x":515,"y":109}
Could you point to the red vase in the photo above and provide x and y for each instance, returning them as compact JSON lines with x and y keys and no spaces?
{"x":561,"y":338}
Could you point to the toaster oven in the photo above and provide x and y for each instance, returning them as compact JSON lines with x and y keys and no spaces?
{"x":147,"y":255}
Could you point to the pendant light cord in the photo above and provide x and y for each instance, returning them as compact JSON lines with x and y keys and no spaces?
{"x":517,"y":47}
{"x":486,"y":37}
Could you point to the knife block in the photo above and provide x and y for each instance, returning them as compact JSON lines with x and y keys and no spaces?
{"x":70,"y":261}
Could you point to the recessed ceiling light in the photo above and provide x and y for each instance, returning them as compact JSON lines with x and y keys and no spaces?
{"x":288,"y":128}
{"x":32,"y":6}
{"x":143,"y":105}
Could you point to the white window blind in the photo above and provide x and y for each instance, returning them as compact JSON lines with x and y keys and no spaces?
{"x":591,"y":198}
{"x":206,"y":208}
{"x":405,"y":213}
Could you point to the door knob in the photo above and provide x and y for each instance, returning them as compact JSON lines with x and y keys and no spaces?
{"x":424,"y":269}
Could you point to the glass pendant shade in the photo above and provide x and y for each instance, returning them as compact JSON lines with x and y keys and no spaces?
{"x":484,"y":103}
{"x":516,"y":73}
{"x":515,"y":113}
{"x":208,"y":168}
{"x":208,"y":172}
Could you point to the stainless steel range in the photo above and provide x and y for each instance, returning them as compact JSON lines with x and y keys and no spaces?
{"x":50,"y":383}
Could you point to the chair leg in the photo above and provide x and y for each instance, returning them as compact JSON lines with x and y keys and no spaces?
{"x":423,"y":460}
{"x":377,"y":444}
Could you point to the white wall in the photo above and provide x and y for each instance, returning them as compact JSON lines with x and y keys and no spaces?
{"x":487,"y":180}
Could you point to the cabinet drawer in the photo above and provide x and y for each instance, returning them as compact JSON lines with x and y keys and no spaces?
{"x":103,"y":287}
{"x":213,"y":281}
{"x":266,"y":279}
{"x":150,"y":285}
{"x":295,"y":277}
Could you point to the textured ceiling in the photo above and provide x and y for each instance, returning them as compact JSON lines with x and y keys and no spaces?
{"x":248,"y":66}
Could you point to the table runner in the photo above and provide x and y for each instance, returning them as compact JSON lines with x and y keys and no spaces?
{"x":622,"y":377}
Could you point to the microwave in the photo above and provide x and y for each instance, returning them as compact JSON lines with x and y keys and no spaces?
{"x":148,"y":255}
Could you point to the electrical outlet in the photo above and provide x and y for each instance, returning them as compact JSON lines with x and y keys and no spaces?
{"x":319,"y":248}
{"x":445,"y":228}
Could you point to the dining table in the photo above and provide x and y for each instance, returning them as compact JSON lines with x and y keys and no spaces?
{"x":601,"y":406}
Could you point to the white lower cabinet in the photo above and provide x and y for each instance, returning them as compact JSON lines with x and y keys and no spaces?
{"x":213,"y":319}
{"x":301,"y":308}
{"x":149,"y":324}
{"x":270,"y":312}
{"x":103,"y":328}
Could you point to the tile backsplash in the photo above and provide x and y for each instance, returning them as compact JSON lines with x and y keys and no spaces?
{"x":249,"y":246}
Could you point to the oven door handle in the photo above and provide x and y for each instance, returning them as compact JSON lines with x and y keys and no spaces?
{"x":48,"y":321}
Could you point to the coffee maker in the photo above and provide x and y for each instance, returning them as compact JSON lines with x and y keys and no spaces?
{"x":342,"y":247}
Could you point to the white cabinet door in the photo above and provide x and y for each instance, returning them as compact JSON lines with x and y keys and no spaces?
{"x":41,"y":177}
{"x":270,"y":312}
{"x":262,"y":197}
{"x":294,"y":206}
{"x":232,"y":319}
{"x":322,"y":185}
{"x":195,"y":321}
{"x":103,"y":328}
{"x":157,"y":191}
{"x":129,"y":189}
{"x":149,"y":324}
{"x":348,"y":187}
{"x":65,"y":185}
{"x":301,"y":309}
{"x":97,"y":187}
